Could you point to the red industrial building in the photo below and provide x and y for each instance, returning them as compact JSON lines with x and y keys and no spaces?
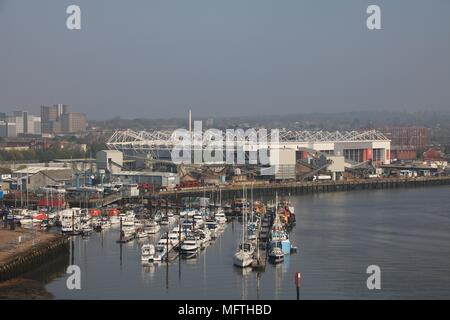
{"x":406,"y":142}
{"x":414,"y":136}
{"x":433,"y":154}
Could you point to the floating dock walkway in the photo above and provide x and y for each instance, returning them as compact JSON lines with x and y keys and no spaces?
{"x":259,"y":263}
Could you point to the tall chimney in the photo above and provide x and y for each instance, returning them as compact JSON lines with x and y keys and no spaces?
{"x":190,"y":122}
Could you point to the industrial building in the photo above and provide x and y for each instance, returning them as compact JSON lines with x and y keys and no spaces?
{"x":109,"y":160}
{"x":406,"y":142}
{"x":33,"y":178}
{"x":412,"y":136}
{"x":282,"y":164}
{"x":156,"y":179}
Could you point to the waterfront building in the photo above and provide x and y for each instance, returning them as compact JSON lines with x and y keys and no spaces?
{"x":355,"y":146}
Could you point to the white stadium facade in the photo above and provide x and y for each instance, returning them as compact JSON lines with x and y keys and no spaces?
{"x":355,"y":146}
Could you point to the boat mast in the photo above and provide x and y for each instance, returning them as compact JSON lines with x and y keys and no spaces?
{"x":243,"y":217}
{"x":251,"y":204}
{"x":276,"y":203}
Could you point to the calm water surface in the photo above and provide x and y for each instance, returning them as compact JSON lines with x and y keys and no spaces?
{"x":406,"y":232}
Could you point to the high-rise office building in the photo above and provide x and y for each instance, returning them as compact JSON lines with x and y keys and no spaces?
{"x":51,"y":118}
{"x":7,"y":129}
{"x":73,"y":122}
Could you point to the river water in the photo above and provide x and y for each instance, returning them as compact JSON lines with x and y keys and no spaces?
{"x":406,"y":232}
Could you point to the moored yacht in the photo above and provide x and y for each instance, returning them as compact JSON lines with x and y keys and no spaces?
{"x":179,"y":232}
{"x":220,"y":217}
{"x":162,"y":247}
{"x":244,"y":256}
{"x":141,"y":234}
{"x":71,"y":220}
{"x":190,"y":246}
{"x":213,"y":227}
{"x":198,"y":221}
{"x":151,"y":227}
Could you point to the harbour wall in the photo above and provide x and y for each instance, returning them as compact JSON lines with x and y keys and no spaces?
{"x":261,"y":190}
{"x":24,"y":261}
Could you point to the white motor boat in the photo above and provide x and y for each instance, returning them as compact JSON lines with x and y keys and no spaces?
{"x":157,"y":217}
{"x":198,"y":221}
{"x":141,"y":235}
{"x":161,"y":250}
{"x":105,"y":223}
{"x":114,"y":220}
{"x":26,"y":221}
{"x":138,"y":224}
{"x":164,"y":221}
{"x":187,"y":225}
{"x":163,"y":243}
{"x":151,"y":227}
{"x":71,"y":220}
{"x":86,"y":229}
{"x":128,"y":228}
{"x":251,"y":235}
{"x":130,"y":215}
{"x":213,"y":227}
{"x":147,"y":252}
{"x":174,"y":239}
{"x":220,"y":217}
{"x":180,"y":233}
{"x":190,"y":247}
{"x":188,"y":213}
{"x":207,"y":235}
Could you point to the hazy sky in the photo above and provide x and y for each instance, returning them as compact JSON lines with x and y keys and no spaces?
{"x":157,"y":58}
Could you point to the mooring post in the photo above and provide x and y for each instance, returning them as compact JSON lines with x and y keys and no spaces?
{"x":121,"y":234}
{"x":297,"y":283}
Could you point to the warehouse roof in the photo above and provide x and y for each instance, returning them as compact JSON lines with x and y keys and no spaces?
{"x":34,"y":170}
{"x":58,"y":175}
{"x":145,"y":173}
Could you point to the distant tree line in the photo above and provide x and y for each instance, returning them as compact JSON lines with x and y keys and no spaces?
{"x":50,"y":154}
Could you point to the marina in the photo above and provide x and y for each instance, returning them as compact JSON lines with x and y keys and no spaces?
{"x":334,"y":247}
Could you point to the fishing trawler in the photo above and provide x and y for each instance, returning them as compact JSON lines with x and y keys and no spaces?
{"x":279,"y":236}
{"x":276,"y":255}
{"x":286,"y":212}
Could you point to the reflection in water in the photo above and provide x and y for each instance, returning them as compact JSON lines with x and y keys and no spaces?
{"x":285,"y":266}
{"x":148,"y":271}
{"x":258,"y":285}
{"x":50,"y":270}
{"x":120,"y":255}
{"x":245,"y":275}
